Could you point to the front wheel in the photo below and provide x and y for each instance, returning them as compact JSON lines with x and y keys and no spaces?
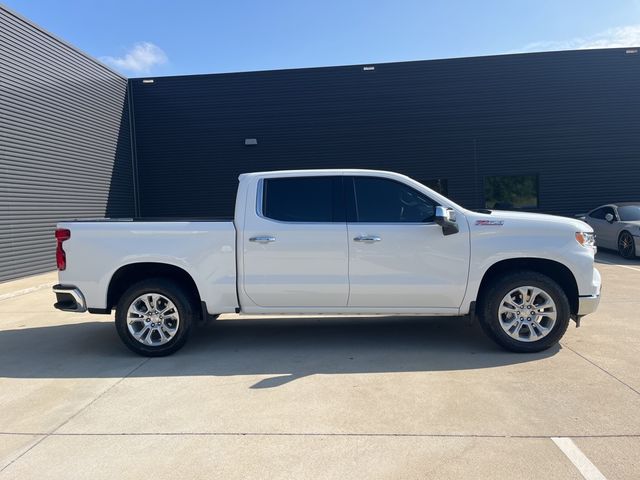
{"x":154,"y":317}
{"x":626,"y":245}
{"x":525,"y":312}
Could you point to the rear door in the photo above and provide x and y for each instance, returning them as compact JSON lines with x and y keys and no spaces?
{"x":295,"y":243}
{"x":398,"y":255}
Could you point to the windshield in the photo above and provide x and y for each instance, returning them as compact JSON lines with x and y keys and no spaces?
{"x":629,"y":213}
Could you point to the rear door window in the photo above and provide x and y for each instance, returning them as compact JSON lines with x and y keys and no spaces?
{"x":303,"y":199}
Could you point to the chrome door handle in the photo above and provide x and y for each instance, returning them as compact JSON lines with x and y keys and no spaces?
{"x":262,"y":239}
{"x":367,"y":238}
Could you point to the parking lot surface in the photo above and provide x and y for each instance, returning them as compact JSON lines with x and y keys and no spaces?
{"x":309,"y":397}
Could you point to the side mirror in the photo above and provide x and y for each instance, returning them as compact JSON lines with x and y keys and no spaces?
{"x":446,"y":218}
{"x":609,"y":218}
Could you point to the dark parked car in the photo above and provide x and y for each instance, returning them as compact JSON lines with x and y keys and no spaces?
{"x":617,"y":226}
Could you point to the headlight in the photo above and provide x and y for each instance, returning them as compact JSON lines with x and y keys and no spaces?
{"x":586,"y":239}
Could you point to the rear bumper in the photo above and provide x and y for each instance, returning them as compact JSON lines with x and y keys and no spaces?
{"x":69,"y":299}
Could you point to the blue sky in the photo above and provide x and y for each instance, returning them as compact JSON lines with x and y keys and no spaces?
{"x":141,"y":38}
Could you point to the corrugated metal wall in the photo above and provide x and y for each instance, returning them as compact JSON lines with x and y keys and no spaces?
{"x":64,"y":143}
{"x":573,"y":118}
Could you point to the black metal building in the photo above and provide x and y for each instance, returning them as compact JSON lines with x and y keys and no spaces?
{"x":552,"y":132}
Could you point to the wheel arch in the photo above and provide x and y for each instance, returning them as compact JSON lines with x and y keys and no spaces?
{"x":624,"y":230}
{"x":551,"y":268}
{"x":129,"y":274}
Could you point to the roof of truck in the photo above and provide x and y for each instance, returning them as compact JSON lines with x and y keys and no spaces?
{"x":317,"y":171}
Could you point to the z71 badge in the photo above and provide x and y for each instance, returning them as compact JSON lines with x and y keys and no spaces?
{"x":490,"y":222}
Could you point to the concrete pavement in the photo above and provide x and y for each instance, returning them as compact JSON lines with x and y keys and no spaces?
{"x":365,"y":397}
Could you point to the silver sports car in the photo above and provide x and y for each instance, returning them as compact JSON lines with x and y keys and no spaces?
{"x":617,"y":226}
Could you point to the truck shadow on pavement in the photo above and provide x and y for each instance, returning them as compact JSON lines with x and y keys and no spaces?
{"x":286,"y":349}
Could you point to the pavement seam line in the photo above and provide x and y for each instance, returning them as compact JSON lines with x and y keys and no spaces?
{"x":24,"y":451}
{"x":54,"y":430}
{"x":618,"y":265}
{"x":100,"y":395}
{"x":25,"y":291}
{"x":601,"y":368}
{"x":314,"y":434}
{"x":587,"y":469}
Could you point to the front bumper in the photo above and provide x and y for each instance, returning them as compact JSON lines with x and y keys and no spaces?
{"x":69,"y":299}
{"x":587,"y":305}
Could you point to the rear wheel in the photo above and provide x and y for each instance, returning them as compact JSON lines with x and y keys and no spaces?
{"x":626,"y":245}
{"x":154,"y":317}
{"x":525,"y":312}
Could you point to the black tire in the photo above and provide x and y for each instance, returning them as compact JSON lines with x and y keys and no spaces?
{"x":490,"y":304}
{"x":626,"y":245}
{"x":183,"y":302}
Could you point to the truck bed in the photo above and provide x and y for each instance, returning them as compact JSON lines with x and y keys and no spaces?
{"x":203,"y":248}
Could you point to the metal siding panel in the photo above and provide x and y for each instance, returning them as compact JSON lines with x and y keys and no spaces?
{"x":64,"y":144}
{"x":567,"y":116}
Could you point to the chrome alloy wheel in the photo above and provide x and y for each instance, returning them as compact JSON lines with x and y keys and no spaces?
{"x":527,"y":314}
{"x":153,"y":319}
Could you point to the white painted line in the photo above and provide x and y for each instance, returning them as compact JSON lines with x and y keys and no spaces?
{"x":588,"y":470}
{"x":17,"y":293}
{"x":618,"y":265}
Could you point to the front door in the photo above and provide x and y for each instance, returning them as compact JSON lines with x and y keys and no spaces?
{"x":606,"y":233}
{"x":398,"y":256}
{"x":295,"y":244}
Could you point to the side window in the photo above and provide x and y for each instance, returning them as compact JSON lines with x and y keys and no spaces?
{"x":380,"y":200}
{"x":598,"y":214}
{"x":629,"y":213}
{"x":303,"y":199}
{"x":609,"y":210}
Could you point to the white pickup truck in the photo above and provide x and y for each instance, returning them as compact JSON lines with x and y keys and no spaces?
{"x":332,"y":242}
